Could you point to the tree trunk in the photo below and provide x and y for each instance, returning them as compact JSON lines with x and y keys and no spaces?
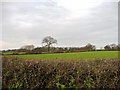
{"x":48,"y":49}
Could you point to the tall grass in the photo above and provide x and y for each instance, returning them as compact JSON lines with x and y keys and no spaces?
{"x":34,"y":74}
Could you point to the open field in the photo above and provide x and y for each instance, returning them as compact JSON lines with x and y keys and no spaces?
{"x":72,"y":56}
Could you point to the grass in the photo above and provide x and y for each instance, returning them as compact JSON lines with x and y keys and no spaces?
{"x":72,"y":56}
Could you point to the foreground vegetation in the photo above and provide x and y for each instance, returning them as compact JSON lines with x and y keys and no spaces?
{"x":72,"y":56}
{"x":33,"y":74}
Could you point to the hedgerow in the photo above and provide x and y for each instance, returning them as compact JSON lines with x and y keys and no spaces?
{"x":75,"y":74}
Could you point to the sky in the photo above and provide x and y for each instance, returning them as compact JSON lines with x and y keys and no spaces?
{"x":73,"y":23}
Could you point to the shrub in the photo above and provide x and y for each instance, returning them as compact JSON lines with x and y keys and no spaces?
{"x":33,"y":74}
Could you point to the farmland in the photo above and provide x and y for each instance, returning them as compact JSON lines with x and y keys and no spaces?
{"x":72,"y":56}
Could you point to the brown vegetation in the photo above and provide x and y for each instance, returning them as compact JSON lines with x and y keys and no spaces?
{"x":33,"y":74}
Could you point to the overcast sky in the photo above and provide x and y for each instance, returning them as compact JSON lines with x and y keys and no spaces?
{"x":71,"y":22}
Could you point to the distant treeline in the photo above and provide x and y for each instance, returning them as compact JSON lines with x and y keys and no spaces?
{"x":29,"y":49}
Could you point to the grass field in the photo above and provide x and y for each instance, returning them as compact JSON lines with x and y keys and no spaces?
{"x":72,"y":56}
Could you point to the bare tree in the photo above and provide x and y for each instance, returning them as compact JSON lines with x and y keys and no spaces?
{"x":48,"y":42}
{"x":107,"y":47}
{"x":90,"y":47}
{"x":28,"y":47}
{"x":111,"y":47}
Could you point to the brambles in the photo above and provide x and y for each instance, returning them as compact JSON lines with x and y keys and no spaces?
{"x":33,"y":74}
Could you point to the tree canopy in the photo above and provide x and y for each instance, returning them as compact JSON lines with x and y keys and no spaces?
{"x":48,"y":42}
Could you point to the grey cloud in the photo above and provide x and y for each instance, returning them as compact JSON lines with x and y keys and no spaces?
{"x":34,"y":21}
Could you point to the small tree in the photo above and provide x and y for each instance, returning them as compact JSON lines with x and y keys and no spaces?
{"x":28,"y":47}
{"x":48,"y":42}
{"x":90,"y":47}
{"x":107,"y":47}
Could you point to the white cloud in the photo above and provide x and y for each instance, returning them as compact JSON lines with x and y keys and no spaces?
{"x":5,"y":45}
{"x":72,"y":23}
{"x":57,"y":0}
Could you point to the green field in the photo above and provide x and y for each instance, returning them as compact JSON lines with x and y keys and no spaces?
{"x":72,"y":56}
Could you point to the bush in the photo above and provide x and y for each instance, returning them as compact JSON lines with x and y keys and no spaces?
{"x":33,"y":74}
